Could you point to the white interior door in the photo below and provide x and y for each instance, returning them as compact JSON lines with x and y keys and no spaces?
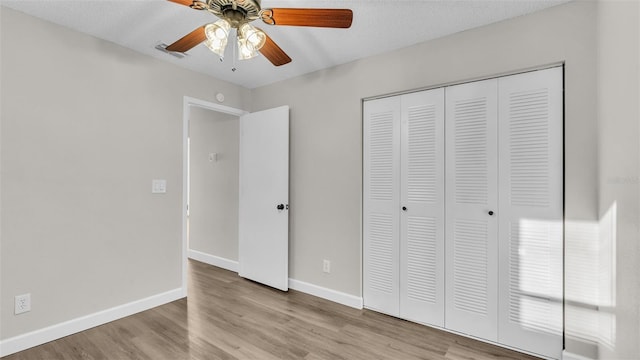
{"x":422,"y":215}
{"x":263,"y":220}
{"x":530,"y":221}
{"x":381,"y":204}
{"x":471,"y":209}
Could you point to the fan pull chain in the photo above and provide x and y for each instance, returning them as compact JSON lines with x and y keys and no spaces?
{"x":235,"y":55}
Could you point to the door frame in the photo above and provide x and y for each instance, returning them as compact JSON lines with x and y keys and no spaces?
{"x":187,"y":103}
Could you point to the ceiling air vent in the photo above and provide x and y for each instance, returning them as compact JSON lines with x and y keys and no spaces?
{"x":163,"y":47}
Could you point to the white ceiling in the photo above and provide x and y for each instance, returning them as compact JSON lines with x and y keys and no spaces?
{"x":379,"y":26}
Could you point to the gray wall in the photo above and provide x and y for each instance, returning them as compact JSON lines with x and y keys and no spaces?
{"x":618,"y":102}
{"x":326,"y":150}
{"x":213,"y":205}
{"x":86,"y":125}
{"x":326,"y":146}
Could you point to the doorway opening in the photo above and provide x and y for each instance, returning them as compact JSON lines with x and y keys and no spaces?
{"x":208,"y":150}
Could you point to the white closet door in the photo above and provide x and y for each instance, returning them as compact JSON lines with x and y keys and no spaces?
{"x":471,"y":210}
{"x":530,"y":219}
{"x":380,"y":204}
{"x":422,"y":200}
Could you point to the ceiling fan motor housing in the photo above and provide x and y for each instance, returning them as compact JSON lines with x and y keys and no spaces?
{"x":235,"y":11}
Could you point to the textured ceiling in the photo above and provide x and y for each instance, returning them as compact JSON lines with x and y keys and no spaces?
{"x":379,"y":26}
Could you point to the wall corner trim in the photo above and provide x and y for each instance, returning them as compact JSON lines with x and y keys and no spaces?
{"x":328,"y":294}
{"x":223,"y":263}
{"x":571,"y":356}
{"x":57,"y":331}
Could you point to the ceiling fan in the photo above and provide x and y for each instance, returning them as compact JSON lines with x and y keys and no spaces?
{"x":238,"y":14}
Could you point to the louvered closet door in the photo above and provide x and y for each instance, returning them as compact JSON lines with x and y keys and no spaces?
{"x":380,"y":204}
{"x":422,"y":195}
{"x":471,"y":194}
{"x":530,"y":219}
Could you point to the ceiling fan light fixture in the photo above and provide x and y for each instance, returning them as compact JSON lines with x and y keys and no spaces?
{"x":245,"y":49}
{"x":217,"y":30}
{"x":217,"y":36}
{"x":253,"y":35}
{"x":216,"y":46}
{"x":237,"y":14}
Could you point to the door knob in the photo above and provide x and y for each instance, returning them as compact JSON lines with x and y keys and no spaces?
{"x":404,"y":208}
{"x":490,"y":213}
{"x":280,"y":207}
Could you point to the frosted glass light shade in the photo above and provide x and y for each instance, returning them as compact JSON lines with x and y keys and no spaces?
{"x":254,"y":36}
{"x":245,"y":49}
{"x":217,"y":36}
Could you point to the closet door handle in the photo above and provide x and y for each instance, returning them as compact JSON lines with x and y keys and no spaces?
{"x":490,"y":212}
{"x":404,"y":208}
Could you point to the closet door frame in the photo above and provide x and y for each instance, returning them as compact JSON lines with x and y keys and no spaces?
{"x":493,"y":323}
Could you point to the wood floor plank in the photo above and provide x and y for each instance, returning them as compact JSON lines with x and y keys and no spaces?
{"x":227,"y":317}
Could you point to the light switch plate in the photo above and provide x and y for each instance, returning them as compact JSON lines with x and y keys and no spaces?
{"x":158,"y":186}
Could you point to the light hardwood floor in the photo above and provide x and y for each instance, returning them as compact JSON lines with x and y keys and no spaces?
{"x":227,"y":317}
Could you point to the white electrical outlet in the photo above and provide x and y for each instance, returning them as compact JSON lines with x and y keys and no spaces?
{"x":22,"y":303}
{"x":158,"y":186}
{"x":326,"y":266}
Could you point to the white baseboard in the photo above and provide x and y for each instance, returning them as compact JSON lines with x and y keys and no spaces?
{"x":41,"y":336}
{"x":571,"y":356}
{"x":328,"y":294}
{"x":214,"y":260}
{"x":50,"y":333}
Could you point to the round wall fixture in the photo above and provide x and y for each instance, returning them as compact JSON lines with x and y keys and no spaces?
{"x":220,"y":97}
